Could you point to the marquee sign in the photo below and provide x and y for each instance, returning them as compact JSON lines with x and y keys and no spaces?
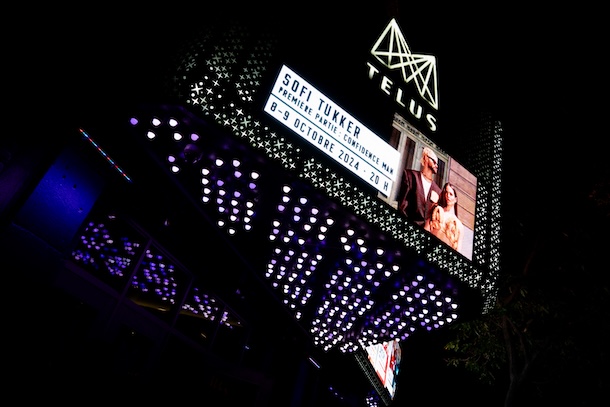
{"x":313,"y":116}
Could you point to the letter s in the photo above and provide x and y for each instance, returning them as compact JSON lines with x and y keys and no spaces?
{"x":431,"y":121}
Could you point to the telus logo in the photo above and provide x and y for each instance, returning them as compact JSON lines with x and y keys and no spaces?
{"x":393,"y":52}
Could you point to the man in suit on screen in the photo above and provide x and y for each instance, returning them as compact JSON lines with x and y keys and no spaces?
{"x":418,"y":190}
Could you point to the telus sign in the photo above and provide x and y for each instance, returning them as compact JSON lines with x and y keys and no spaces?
{"x":392,"y":52}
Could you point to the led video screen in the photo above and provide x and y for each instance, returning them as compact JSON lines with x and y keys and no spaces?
{"x":385,"y":359}
{"x":446,"y":208}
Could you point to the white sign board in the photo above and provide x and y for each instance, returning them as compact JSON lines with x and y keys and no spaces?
{"x":313,"y":116}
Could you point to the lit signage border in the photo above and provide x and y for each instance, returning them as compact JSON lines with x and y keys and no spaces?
{"x":325,"y":125}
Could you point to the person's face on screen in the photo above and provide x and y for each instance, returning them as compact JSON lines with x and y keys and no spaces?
{"x":431,"y":162}
{"x":450,"y":195}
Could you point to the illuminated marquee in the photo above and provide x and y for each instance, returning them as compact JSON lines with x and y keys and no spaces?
{"x":391,"y":49}
{"x":313,"y":116}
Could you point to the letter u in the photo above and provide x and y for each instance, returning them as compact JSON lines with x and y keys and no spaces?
{"x":412,"y":108}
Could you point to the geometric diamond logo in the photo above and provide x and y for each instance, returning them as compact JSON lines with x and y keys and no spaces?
{"x":392,"y":50}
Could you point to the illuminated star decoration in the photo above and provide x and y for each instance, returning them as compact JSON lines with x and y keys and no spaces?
{"x":392,"y":50}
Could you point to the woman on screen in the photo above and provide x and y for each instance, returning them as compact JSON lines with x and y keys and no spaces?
{"x":442,"y":220}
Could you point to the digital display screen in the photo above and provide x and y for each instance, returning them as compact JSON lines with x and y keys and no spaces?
{"x":385,"y":358}
{"x":313,"y":116}
{"x":446,"y":208}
